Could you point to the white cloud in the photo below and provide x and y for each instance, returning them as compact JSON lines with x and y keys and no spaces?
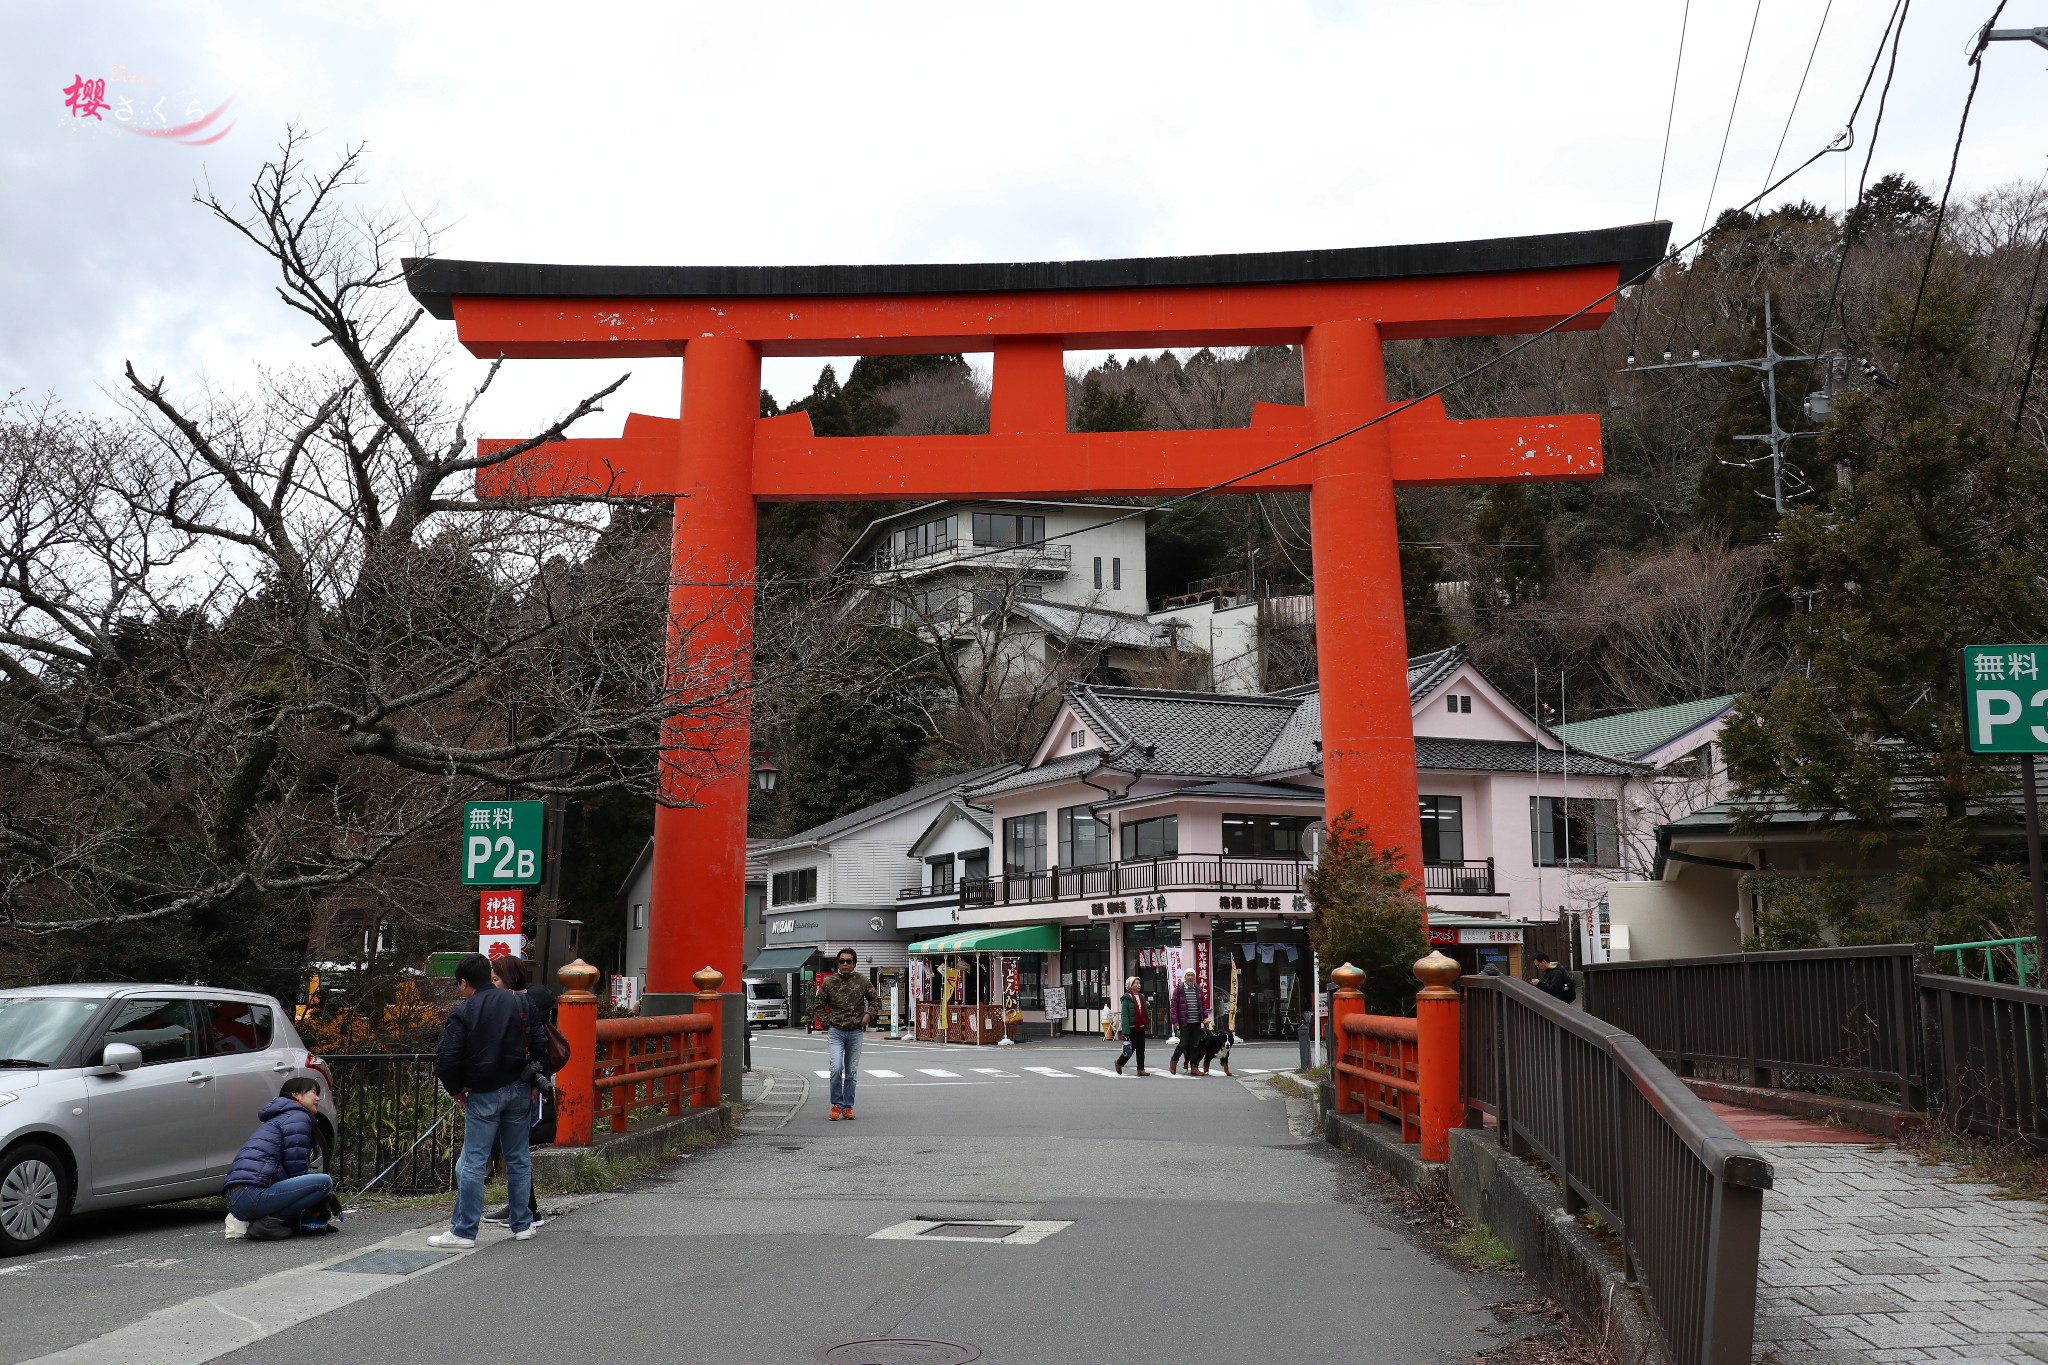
{"x":809,"y":133}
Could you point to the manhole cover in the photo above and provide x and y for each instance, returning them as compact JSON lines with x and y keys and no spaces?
{"x":900,"y":1351}
{"x":994,"y":1232}
{"x":391,"y":1261}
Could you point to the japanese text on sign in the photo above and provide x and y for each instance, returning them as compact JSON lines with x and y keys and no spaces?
{"x":2005,"y":698}
{"x":501,"y":842}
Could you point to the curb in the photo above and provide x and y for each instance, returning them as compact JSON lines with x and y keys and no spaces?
{"x":557,"y":1165}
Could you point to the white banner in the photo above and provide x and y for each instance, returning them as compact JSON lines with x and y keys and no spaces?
{"x":495,"y":946}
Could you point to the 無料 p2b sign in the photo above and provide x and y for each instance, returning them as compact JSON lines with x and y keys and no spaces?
{"x":501,"y":842}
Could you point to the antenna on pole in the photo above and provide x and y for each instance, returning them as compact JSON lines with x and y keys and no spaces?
{"x":1777,"y":437}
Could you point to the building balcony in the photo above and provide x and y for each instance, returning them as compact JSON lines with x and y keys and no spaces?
{"x":1470,"y":878}
{"x":918,"y":893}
{"x":1187,"y":873}
{"x":1051,"y":559}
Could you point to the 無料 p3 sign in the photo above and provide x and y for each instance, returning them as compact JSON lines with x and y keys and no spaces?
{"x":501,"y":842}
{"x":2005,"y":698}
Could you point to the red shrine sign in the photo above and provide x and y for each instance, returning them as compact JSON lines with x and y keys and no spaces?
{"x":720,"y":458}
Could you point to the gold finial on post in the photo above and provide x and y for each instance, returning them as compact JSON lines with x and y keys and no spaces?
{"x":1348,"y":979}
{"x":1436,"y":973}
{"x":577,"y":978}
{"x":708,"y":980}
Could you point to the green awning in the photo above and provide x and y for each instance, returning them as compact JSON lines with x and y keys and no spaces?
{"x":1023,"y":938}
{"x":783,"y":958}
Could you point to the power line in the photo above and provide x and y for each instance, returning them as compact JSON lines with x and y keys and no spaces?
{"x":1714,"y":186}
{"x":1796,"y":94}
{"x":1664,"y":157}
{"x":1948,"y":186}
{"x":1900,"y":11}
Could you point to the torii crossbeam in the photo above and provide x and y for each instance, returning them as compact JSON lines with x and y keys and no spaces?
{"x":720,"y":459}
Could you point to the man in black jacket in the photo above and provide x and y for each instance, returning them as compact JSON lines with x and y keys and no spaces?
{"x":485,"y":1047}
{"x":1554,"y":980}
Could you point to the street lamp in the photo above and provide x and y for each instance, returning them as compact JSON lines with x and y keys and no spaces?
{"x":765,"y":777}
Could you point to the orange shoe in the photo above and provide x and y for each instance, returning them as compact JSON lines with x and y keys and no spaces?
{"x":846,"y":1113}
{"x":835,"y":1113}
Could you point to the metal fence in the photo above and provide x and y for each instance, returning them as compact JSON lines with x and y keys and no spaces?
{"x":1847,"y":1012}
{"x":1627,"y":1139}
{"x":1989,"y":1075}
{"x":1153,"y":874}
{"x":1990,"y":959}
{"x":387,"y":1102}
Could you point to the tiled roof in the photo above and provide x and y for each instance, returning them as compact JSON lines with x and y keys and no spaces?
{"x":902,"y":801}
{"x":1631,"y":734}
{"x":1513,"y":756}
{"x":1096,"y":626}
{"x":1057,"y":770}
{"x":1193,"y":734}
{"x":1295,"y":747}
{"x":1427,"y":670}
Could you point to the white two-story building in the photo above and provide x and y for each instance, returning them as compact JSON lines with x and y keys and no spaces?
{"x":1154,"y":826}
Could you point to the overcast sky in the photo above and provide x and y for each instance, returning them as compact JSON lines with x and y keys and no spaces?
{"x":792,"y":133}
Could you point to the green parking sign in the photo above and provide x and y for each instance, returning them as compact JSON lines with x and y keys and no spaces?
{"x":2005,"y":698}
{"x":501,"y":842}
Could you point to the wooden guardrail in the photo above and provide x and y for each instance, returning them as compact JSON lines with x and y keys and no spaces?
{"x":617,"y":1066}
{"x":1626,"y":1138}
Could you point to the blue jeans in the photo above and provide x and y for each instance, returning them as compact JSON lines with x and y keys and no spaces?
{"x":504,"y":1118}
{"x":843,"y":1046}
{"x":286,"y":1199}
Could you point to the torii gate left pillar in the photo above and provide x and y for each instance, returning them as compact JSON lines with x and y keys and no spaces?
{"x":719,"y":459}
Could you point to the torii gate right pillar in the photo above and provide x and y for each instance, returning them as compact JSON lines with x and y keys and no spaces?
{"x":1361,"y":639}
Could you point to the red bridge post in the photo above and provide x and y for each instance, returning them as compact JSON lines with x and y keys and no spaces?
{"x":576,"y":1084}
{"x":1347,"y":1002}
{"x":1436,"y":1046}
{"x":705,"y":1085}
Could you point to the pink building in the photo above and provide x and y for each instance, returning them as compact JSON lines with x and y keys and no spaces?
{"x":1154,"y":827}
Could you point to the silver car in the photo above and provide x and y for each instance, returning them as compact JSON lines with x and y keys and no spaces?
{"x":118,"y":1095}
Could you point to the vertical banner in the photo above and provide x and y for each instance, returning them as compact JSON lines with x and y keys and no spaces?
{"x":1012,"y":971}
{"x":1176,"y":964}
{"x":498,"y":924}
{"x":1202,"y":977}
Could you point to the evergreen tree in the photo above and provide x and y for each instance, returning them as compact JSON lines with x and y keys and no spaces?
{"x":1893,"y":204}
{"x":1422,"y":568}
{"x":1103,"y":408}
{"x":1367,"y":911}
{"x":1517,"y":536}
{"x":1933,"y":542}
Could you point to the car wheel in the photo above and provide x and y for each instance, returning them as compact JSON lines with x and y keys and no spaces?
{"x":320,"y":1161}
{"x":35,"y":1198}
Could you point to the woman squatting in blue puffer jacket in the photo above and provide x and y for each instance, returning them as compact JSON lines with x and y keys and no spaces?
{"x":268,"y":1186}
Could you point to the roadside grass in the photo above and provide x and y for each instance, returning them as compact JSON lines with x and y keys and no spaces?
{"x":1479,"y":1248}
{"x":592,"y":1174}
{"x":2018,"y":1171}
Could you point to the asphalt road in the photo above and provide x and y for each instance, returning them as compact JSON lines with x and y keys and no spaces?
{"x":1177,"y":1219}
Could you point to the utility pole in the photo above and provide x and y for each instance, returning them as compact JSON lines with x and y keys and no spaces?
{"x":1768,"y":363}
{"x":1988,"y":35}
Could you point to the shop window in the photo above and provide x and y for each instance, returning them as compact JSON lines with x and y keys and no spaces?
{"x":1031,"y":981}
{"x":1084,"y":838}
{"x":1264,"y":836}
{"x":1024,"y":845}
{"x":941,"y":874}
{"x":794,"y":888}
{"x":1582,"y":830}
{"x":1158,"y":837}
{"x":1443,"y":829}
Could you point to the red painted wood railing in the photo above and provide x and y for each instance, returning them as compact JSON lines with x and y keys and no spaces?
{"x":617,"y":1066}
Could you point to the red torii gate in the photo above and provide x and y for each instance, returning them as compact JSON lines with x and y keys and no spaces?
{"x":720,"y":458}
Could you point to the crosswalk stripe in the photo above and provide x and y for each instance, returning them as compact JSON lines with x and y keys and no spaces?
{"x":993,"y":1071}
{"x":1096,"y":1070}
{"x":934,"y":1071}
{"x":822,"y":1075}
{"x":1051,"y":1071}
{"x":887,"y":1075}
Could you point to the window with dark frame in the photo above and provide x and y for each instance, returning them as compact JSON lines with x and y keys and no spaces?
{"x":1116,"y":574}
{"x":1084,"y":838}
{"x":1024,"y":845}
{"x":1264,"y":836}
{"x":925,"y":538}
{"x":941,"y":880}
{"x":1002,"y":528}
{"x":1584,"y":831}
{"x":1158,"y":837}
{"x":1098,"y":572}
{"x":1443,"y":829}
{"x":794,"y":888}
{"x":974,"y":866}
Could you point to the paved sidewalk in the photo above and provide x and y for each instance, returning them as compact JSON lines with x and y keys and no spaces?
{"x":1871,"y":1255}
